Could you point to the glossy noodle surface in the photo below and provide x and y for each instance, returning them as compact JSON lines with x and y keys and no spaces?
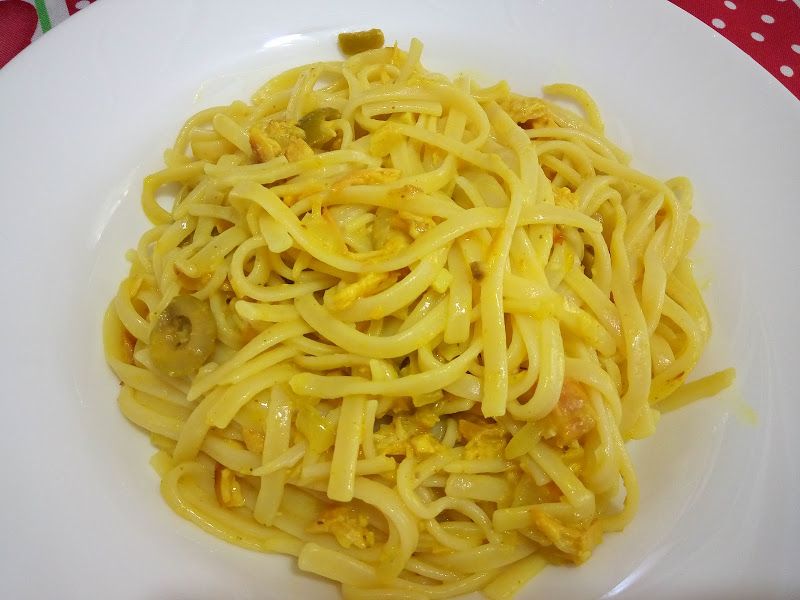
{"x":401,"y":326}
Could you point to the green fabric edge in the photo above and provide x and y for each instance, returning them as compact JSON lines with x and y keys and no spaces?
{"x":44,"y":17}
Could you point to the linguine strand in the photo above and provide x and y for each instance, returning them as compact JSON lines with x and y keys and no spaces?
{"x":434,"y":323}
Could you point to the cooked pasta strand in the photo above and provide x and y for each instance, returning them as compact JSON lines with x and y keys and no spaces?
{"x":401,"y":326}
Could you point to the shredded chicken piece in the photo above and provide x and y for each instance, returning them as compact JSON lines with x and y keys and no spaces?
{"x":229,"y":494}
{"x":336,"y":142}
{"x":577,"y":544}
{"x":366,"y":177}
{"x":402,"y":404}
{"x":565,"y":197}
{"x":388,"y":442}
{"x":523,"y":109}
{"x":349,"y":526}
{"x":483,"y":441}
{"x":426,"y":418}
{"x":572,"y":417}
{"x":468,"y":429}
{"x":253,"y":439}
{"x":366,"y":286}
{"x":413,"y":225}
{"x":279,"y":138}
{"x":297,"y":149}
{"x":425,"y":444}
{"x":407,"y":433}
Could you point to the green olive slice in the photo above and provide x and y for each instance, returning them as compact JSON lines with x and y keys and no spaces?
{"x":316,"y":127}
{"x":183,"y":337}
{"x":359,"y":41}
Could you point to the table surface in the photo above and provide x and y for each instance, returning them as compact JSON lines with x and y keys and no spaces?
{"x":767,"y":30}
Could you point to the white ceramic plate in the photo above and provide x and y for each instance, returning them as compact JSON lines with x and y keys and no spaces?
{"x":86,"y":112}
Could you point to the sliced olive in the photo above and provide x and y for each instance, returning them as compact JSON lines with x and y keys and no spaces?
{"x":183,"y":337}
{"x":316,"y":127}
{"x":358,"y":41}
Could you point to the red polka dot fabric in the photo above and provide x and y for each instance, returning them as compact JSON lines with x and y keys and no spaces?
{"x":22,"y":21}
{"x":767,"y":30}
{"x":18,"y":22}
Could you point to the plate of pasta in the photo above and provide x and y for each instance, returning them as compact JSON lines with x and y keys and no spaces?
{"x":329,"y":303}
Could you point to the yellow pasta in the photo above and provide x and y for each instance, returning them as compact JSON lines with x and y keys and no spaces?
{"x":401,"y":326}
